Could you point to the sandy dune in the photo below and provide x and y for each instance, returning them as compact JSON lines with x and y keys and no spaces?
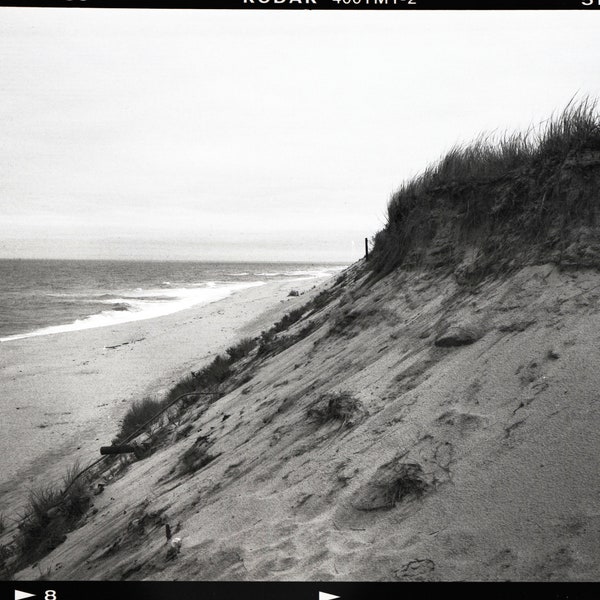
{"x":474,"y":458}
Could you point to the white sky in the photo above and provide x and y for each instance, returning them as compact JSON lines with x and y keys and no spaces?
{"x":245,"y":135}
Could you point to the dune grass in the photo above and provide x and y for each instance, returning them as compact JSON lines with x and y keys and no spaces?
{"x":52,"y":511}
{"x":189,"y":389}
{"x":494,"y":180}
{"x":241,"y":349}
{"x":186,"y":385}
{"x":139,"y":413}
{"x":214,"y":373}
{"x":288,"y":319}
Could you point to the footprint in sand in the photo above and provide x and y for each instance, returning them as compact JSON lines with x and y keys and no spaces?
{"x":462,"y":423}
{"x":501,"y":562}
{"x":420,"y":569}
{"x":555,"y":566}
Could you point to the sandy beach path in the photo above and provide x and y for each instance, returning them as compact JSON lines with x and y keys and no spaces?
{"x":63,"y":395}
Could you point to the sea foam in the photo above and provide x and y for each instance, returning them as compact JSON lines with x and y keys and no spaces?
{"x":144,"y":304}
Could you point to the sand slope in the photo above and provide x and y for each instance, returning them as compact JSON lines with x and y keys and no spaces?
{"x":64,"y":394}
{"x":477,"y":461}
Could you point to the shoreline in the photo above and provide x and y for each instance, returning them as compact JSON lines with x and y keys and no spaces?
{"x":65,"y":393}
{"x":112,"y":317}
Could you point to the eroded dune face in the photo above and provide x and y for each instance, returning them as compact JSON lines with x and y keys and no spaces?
{"x":409,"y":429}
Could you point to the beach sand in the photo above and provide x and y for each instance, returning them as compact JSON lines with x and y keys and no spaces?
{"x":63,"y":395}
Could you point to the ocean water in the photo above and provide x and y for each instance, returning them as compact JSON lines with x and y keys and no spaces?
{"x":43,"y":297}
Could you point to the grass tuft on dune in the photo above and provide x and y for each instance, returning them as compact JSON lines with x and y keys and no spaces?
{"x":521,"y":187}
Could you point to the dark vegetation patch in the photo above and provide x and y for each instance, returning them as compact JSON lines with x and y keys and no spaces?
{"x":517,"y":199}
{"x":186,"y":385}
{"x":337,"y":406}
{"x":197,"y":456}
{"x":214,"y":374}
{"x":205,"y":383}
{"x":241,"y":349}
{"x":138,"y":414}
{"x":51,"y":512}
{"x":392,"y":483}
{"x":288,"y":320}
